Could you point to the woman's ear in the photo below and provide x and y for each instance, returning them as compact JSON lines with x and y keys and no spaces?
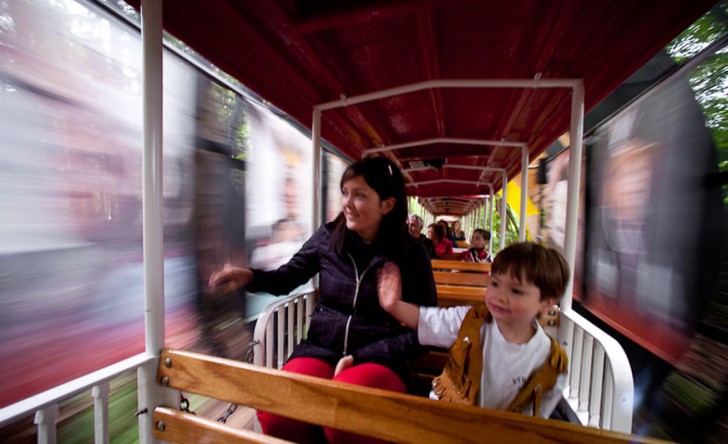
{"x":387,"y":205}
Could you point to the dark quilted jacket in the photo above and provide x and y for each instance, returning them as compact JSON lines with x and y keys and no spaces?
{"x":372,"y":335}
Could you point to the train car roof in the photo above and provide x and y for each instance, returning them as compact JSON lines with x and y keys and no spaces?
{"x":300,"y":53}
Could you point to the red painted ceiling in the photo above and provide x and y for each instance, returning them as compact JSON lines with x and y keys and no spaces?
{"x":299,"y":53}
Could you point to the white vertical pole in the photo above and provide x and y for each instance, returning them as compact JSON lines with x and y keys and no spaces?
{"x":100,"y":393}
{"x":45,"y":419}
{"x":316,"y":136}
{"x":524,"y":193}
{"x":572,"y":199}
{"x":316,"y":191}
{"x":504,"y":214}
{"x":491,"y":200}
{"x":151,"y":394}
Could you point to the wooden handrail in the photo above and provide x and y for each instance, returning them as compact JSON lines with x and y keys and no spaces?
{"x":377,"y":413}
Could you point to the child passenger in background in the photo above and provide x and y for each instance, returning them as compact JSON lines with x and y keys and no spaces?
{"x":478,"y":245}
{"x":526,"y":279}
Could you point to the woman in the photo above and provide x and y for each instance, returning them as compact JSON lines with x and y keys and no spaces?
{"x":437,"y":232}
{"x":350,"y":338}
{"x":458,"y":234}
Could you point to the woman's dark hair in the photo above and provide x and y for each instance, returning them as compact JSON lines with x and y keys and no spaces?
{"x":384,"y":177}
{"x":440,"y":231}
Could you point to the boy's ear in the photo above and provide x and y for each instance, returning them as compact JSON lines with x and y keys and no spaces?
{"x":546,"y":305}
{"x":388,"y":205}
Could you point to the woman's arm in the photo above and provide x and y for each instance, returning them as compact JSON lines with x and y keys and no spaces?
{"x":229,"y":279}
{"x":303,"y":266}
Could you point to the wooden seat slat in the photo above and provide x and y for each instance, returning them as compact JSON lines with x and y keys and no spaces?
{"x":186,"y":427}
{"x":470,"y":279}
{"x":459,"y":265}
{"x":377,"y":413}
{"x":449,"y":295}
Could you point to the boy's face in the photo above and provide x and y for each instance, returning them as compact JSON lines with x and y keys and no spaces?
{"x":514,"y":303}
{"x":477,"y":241}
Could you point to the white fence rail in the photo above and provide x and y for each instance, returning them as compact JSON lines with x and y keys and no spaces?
{"x":45,"y":404}
{"x":601,"y":389}
{"x":281,"y":326}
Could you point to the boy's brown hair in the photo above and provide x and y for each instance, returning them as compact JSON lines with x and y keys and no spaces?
{"x":541,"y":266}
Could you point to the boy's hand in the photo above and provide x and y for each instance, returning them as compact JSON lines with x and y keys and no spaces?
{"x":389,"y":286}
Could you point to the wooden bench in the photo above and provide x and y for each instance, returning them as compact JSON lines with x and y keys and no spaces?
{"x":371,"y":412}
{"x":460,"y":283}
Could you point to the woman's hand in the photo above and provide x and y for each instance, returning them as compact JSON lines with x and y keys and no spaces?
{"x":343,"y":364}
{"x":389,"y":286}
{"x":229,"y":279}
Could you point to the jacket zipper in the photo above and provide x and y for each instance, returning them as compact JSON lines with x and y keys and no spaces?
{"x":356,"y":296}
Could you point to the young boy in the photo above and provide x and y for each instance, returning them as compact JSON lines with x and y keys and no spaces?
{"x":477,"y":251}
{"x":526,"y":279}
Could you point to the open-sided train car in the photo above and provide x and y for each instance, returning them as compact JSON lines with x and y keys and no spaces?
{"x":460,"y":94}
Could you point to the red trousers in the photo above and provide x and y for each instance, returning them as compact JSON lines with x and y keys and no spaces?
{"x":367,"y":374}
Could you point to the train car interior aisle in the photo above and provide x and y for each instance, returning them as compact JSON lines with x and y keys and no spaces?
{"x":148,"y":144}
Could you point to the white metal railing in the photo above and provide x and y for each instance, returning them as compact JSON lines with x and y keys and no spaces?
{"x":281,"y":326}
{"x":45,"y":404}
{"x":600,"y":392}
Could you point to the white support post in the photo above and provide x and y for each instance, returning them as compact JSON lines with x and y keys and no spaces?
{"x":316,"y":136}
{"x":150,"y":393}
{"x":316,"y":201}
{"x":491,"y":202}
{"x":572,"y":199}
{"x":524,"y":193}
{"x":45,"y":419}
{"x":504,"y":214}
{"x":100,"y":393}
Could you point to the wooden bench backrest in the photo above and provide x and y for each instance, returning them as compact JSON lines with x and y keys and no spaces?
{"x":460,"y":283}
{"x":458,"y":278}
{"x":470,"y":274}
{"x":372,"y":412}
{"x":460,"y":266}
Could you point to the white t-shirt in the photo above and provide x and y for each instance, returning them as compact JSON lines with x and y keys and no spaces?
{"x":506,"y":366}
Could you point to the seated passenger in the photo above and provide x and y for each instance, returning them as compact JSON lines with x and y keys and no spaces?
{"x":350,"y":337}
{"x":518,"y":367}
{"x":438,"y":235}
{"x":478,"y":251}
{"x":457,"y":233}
{"x":414,"y":226}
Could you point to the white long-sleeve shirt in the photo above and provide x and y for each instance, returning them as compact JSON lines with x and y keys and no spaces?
{"x":506,"y":366}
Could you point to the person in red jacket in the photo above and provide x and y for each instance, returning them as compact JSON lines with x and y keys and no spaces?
{"x":438,"y":234}
{"x":478,"y":251}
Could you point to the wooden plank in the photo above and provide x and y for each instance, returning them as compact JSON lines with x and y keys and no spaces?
{"x":377,"y":413}
{"x":172,"y":425}
{"x":462,"y":266}
{"x":452,"y":295}
{"x":471,"y":279}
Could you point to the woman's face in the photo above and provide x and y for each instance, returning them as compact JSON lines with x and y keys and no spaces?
{"x":431,"y":234}
{"x":363,"y":208}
